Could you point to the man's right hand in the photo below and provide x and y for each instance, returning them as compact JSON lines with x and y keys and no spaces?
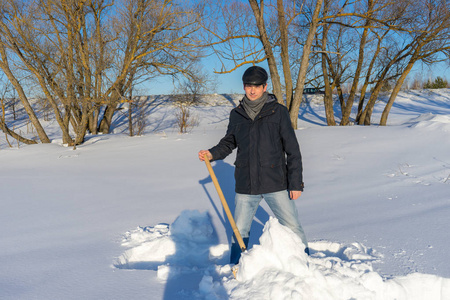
{"x":202,"y":153}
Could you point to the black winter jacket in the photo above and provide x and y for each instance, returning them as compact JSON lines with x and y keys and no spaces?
{"x":268,"y":155}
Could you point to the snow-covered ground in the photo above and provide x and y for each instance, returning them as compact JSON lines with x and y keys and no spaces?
{"x":138,"y":217}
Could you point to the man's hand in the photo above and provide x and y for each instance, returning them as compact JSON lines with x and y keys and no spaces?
{"x":294,"y":194}
{"x":201,"y":155}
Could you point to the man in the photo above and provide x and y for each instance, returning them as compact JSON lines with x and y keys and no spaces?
{"x":268,"y":161}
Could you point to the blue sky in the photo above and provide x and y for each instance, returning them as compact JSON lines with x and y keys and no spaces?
{"x":227,"y":83}
{"x":231,"y":83}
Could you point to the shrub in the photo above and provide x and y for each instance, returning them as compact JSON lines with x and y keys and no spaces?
{"x":185,"y":120}
{"x":439,"y":83}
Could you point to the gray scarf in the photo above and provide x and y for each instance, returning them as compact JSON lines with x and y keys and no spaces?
{"x":252,"y":108}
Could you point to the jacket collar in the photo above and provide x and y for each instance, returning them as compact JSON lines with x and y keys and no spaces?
{"x":266,"y":110}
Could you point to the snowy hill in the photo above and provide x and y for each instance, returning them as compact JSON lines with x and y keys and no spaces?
{"x":138,"y":217}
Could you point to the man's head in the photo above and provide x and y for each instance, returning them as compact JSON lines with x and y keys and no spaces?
{"x":255,"y":82}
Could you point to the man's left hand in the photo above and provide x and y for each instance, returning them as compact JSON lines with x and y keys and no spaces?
{"x":294,"y":194}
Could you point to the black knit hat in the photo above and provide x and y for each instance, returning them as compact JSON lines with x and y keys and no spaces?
{"x":255,"y":75}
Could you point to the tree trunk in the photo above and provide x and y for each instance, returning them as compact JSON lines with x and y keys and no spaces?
{"x":67,"y":139}
{"x":93,"y":120}
{"x":351,"y":97}
{"x":275,"y":77}
{"x":340,"y":95}
{"x":130,"y":118}
{"x":18,"y":137}
{"x":105,"y":123}
{"x":82,"y":128}
{"x":395,"y":91}
{"x":367,"y":79}
{"x":130,"y":113}
{"x":362,"y":97}
{"x":367,"y":113}
{"x":26,"y":104}
{"x":328,"y":97}
{"x":298,"y":92}
{"x":285,"y":52}
{"x":7,"y":131}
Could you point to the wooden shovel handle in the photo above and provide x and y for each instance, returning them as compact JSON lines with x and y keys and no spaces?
{"x":225,"y":204}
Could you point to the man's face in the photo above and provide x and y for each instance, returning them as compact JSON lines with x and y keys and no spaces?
{"x":254,"y":92}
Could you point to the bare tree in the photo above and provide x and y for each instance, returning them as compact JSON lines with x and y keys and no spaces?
{"x":193,"y":87}
{"x":356,"y":24}
{"x":159,"y":37}
{"x":277,"y":24}
{"x":390,"y":68}
{"x":86,"y":55}
{"x":431,"y":37}
{"x":263,"y":34}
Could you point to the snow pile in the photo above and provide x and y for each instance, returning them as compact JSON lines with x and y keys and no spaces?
{"x":277,"y":268}
{"x":189,"y":243}
{"x":148,"y":247}
{"x":280,"y":250}
{"x":431,"y":121}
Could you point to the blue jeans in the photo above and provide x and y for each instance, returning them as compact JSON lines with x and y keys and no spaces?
{"x":282,"y":207}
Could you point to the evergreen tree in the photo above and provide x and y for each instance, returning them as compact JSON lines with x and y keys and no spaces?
{"x":438,"y":83}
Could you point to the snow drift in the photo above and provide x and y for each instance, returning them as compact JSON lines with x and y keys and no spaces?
{"x":375,"y":210}
{"x":277,"y":268}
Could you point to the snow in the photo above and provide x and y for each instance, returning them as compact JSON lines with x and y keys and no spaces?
{"x":138,"y":217}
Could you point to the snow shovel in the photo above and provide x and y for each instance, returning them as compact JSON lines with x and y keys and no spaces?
{"x":225,"y":205}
